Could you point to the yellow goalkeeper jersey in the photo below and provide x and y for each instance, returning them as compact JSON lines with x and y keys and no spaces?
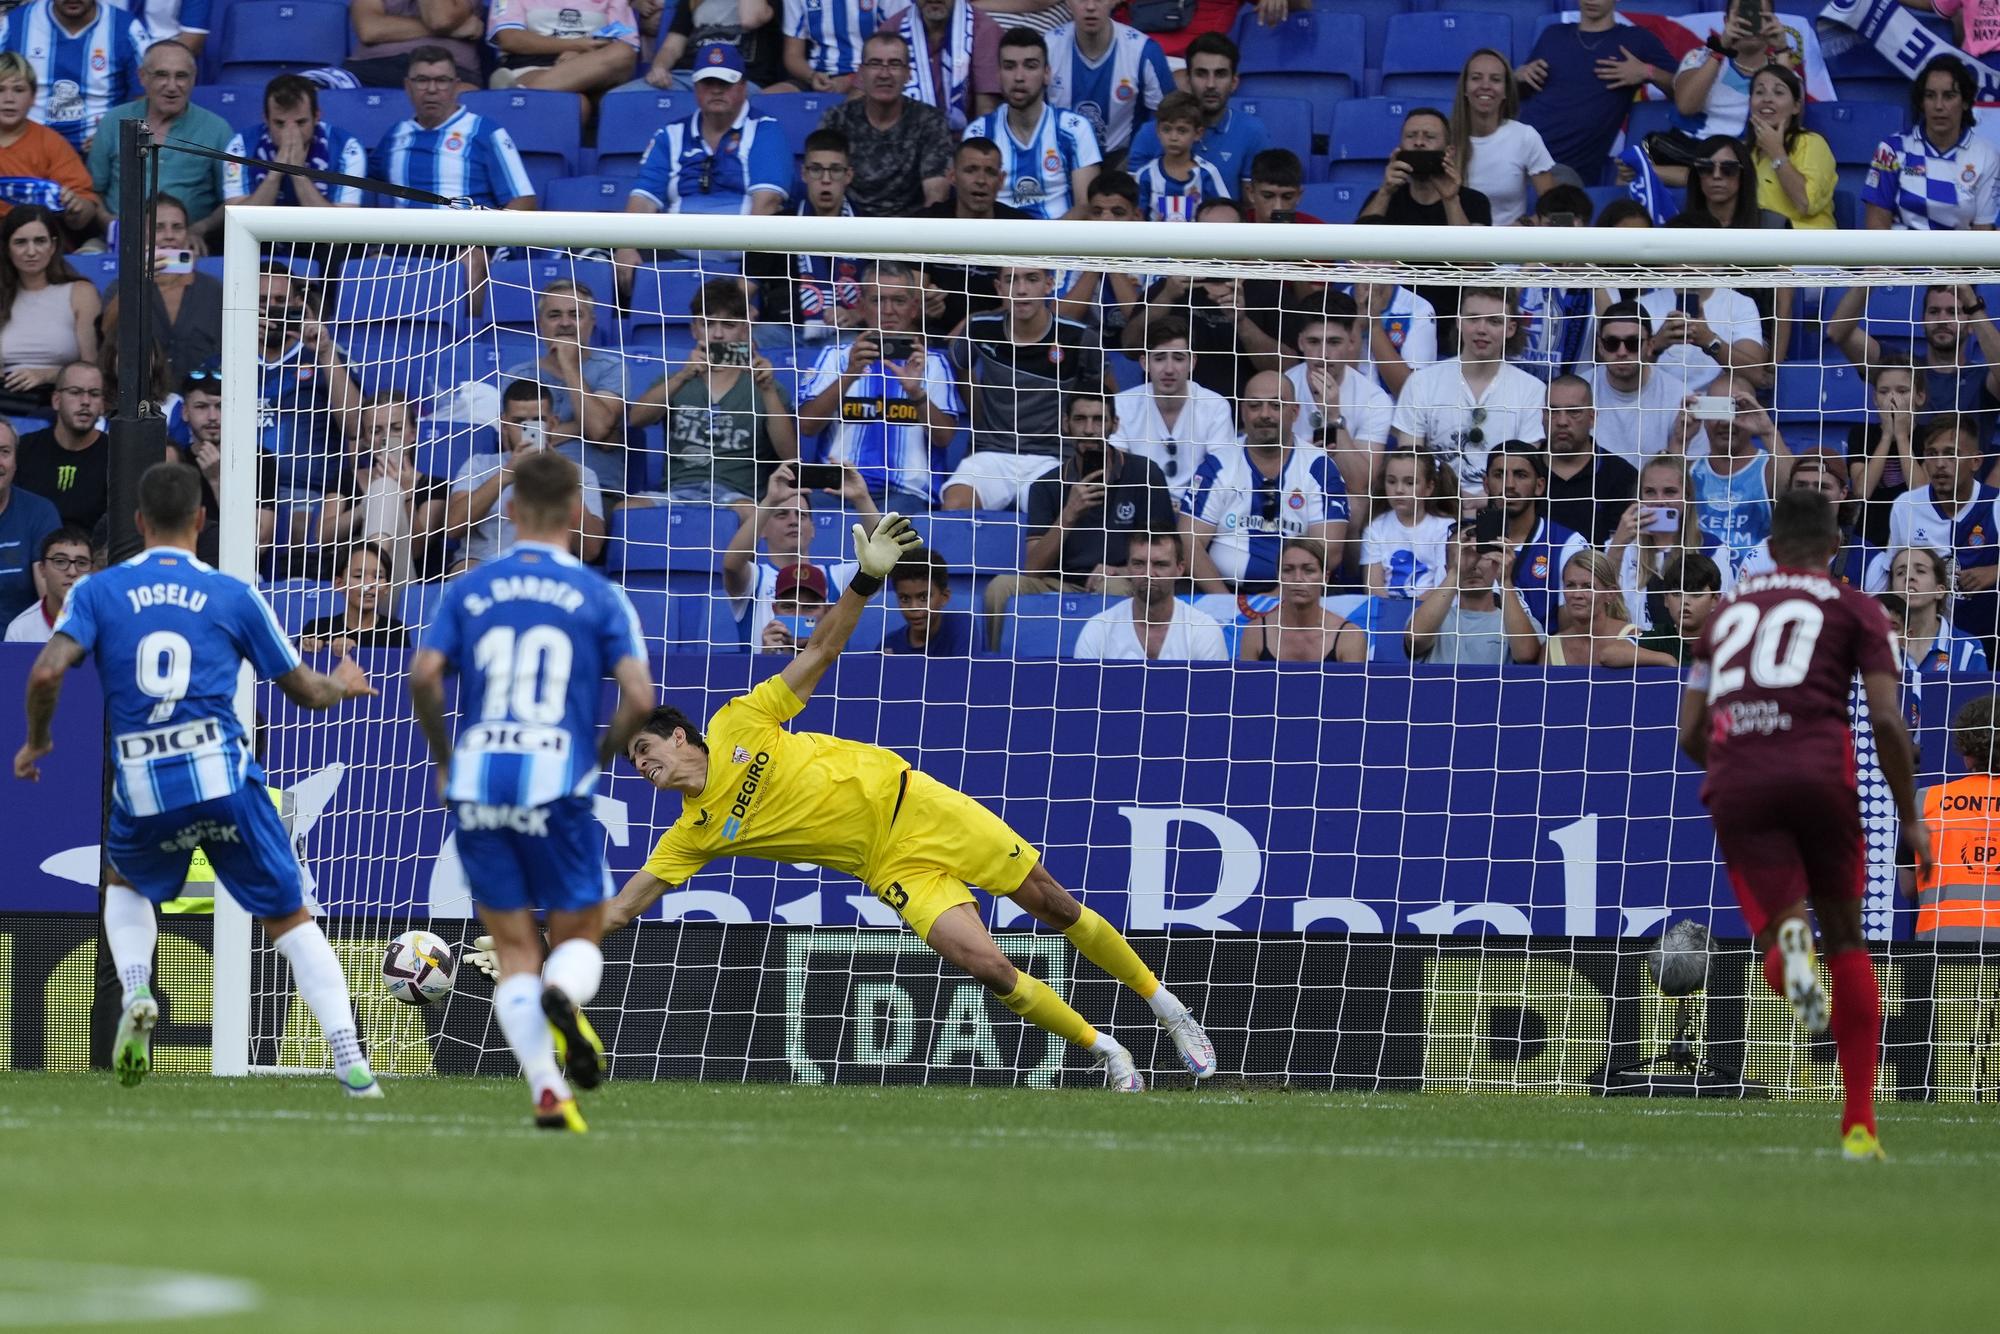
{"x":788,"y":796}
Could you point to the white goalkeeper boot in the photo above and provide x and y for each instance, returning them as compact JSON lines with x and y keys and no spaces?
{"x":1121,"y":1072}
{"x":1802,"y":986}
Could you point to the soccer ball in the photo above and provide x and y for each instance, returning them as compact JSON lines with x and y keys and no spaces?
{"x":418,"y":968}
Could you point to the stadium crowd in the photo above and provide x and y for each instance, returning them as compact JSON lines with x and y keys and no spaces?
{"x":1197,"y":468}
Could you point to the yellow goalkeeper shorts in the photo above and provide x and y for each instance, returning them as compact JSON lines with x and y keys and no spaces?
{"x":940,"y":842}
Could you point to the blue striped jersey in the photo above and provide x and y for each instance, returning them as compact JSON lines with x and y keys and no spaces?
{"x":1115,"y":92}
{"x":834,"y":30}
{"x":77,"y":77}
{"x":332,"y":149}
{"x":168,"y":635}
{"x":1035,"y":173}
{"x":681,"y":175}
{"x":534,"y":634}
{"x":1164,"y":199}
{"x":466,"y":157}
{"x":1928,"y":191}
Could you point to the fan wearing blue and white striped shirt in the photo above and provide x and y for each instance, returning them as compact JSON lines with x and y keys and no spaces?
{"x":823,"y":41}
{"x":447,"y":150}
{"x":86,"y":61}
{"x":1112,"y":75}
{"x":1173,"y":185}
{"x":1048,"y":158}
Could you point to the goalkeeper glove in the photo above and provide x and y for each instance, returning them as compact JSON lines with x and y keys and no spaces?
{"x":483,"y":956}
{"x":881,"y":551}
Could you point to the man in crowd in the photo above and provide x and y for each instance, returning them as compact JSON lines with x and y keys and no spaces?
{"x":361,"y":577}
{"x":797,"y":603}
{"x":1424,"y":185}
{"x":1959,"y":345}
{"x":69,"y":461}
{"x":1230,"y":137}
{"x":86,"y":60}
{"x":197,"y":442}
{"x":306,"y":392}
{"x":25,"y":520}
{"x":1399,"y":333}
{"x":1233,"y":323}
{"x":1955,"y":515}
{"x":922,"y":585}
{"x":1537,"y":548}
{"x":954,"y":292}
{"x":898,"y":147}
{"x":1636,"y":399}
{"x":1737,"y":466}
{"x":65,"y":558}
{"x":1342,"y":410}
{"x":476,"y":511}
{"x":587,"y":384}
{"x":167,"y":74}
{"x":1245,"y":502}
{"x":575,"y":48}
{"x":823,"y":42}
{"x":448,"y":150}
{"x":1277,"y":183}
{"x":1588,"y":488}
{"x":1459,"y":409}
{"x":1017,"y":363}
{"x":783,"y":519}
{"x":954,"y":57}
{"x":1169,"y":418}
{"x":804,"y":298}
{"x":387,"y":31}
{"x":1153,"y":624}
{"x":295,"y":136}
{"x":753,"y":27}
{"x":1111,"y":74}
{"x":1081,"y":518}
{"x":1578,"y":82}
{"x":1048,"y":157}
{"x":886,"y":395}
{"x":1469,"y":618}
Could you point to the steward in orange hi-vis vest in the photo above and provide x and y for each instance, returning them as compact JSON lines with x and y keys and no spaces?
{"x":1960,"y":898}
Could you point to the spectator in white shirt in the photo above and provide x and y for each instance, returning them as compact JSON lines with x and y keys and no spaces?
{"x":1170,"y":419}
{"x":1342,"y":410}
{"x":65,"y":558}
{"x":1502,"y":156}
{"x":1637,"y":397}
{"x":1717,"y":321}
{"x":1460,"y":409}
{"x":1404,"y":549}
{"x":1153,"y":624}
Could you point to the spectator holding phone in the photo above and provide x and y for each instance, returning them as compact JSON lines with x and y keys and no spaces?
{"x":1693,"y":585}
{"x":798,"y":600}
{"x":1424,"y":183}
{"x":1796,"y":174}
{"x":476,"y":510}
{"x":1738,"y":464}
{"x":1719,"y":322}
{"x":1636,"y":390}
{"x":1404,"y":549}
{"x":1657,"y":528}
{"x":1712,"y":86}
{"x":382,"y":498}
{"x":782,"y":519}
{"x":1501,"y":156}
{"x":187,"y":306}
{"x":1474,"y":616}
{"x":586,"y":384}
{"x":361,"y":574}
{"x":728,"y":420}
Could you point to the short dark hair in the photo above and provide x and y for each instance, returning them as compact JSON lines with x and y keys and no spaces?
{"x":662,"y":722}
{"x":201,"y":382}
{"x":288,"y":90}
{"x":1972,"y":733}
{"x":1620,"y":211}
{"x":978,"y":143}
{"x":923,"y":563}
{"x":169,"y":497}
{"x":1964,"y":428}
{"x":1278,"y":166}
{"x":1621,"y":312}
{"x":1215,"y":44}
{"x":1533,"y":452}
{"x":68,"y":534}
{"x":1165,"y":329}
{"x":523,"y":391}
{"x":544,"y":485}
{"x":720,"y":299}
{"x":825,"y":140}
{"x":1334,"y":308}
{"x":1690,"y":572}
{"x":1153,"y":536}
{"x":345,"y":559}
{"x":1805,"y":528}
{"x":1091,"y":394}
{"x":429,"y":54}
{"x":1118,"y":183}
{"x":1028,"y":37}
{"x":1214,"y":202}
{"x":1566,"y":199}
{"x":1180,"y":108}
{"x":1436,"y":115}
{"x":172,"y":201}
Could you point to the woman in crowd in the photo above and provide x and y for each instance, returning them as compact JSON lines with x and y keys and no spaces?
{"x":1406,"y":548}
{"x":1655,"y":529}
{"x":1882,"y":454}
{"x":1712,"y":86}
{"x":1722,"y":185}
{"x":48,"y":313}
{"x":1795,"y":168}
{"x":1922,"y":579}
{"x":1593,"y":629}
{"x":362,"y":576}
{"x":187,"y":306}
{"x":1301,"y":628}
{"x":1939,"y":148}
{"x":1502,"y":156}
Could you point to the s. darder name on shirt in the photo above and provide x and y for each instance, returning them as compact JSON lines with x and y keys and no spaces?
{"x":525,"y":588}
{"x":166,"y":595}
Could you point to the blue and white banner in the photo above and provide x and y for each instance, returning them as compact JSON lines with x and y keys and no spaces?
{"x":1905,"y":43}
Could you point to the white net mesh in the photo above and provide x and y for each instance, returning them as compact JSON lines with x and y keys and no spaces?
{"x":1435,"y":853}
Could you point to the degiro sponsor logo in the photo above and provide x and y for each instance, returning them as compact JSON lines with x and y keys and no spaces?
{"x":740,"y":808}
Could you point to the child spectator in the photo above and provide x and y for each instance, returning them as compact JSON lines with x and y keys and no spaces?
{"x":1172,"y":185}
{"x":1657,"y":529}
{"x":1882,"y":454}
{"x":1405,"y":547}
{"x":1692,"y":585}
{"x":922,"y":584}
{"x":1921,"y":577}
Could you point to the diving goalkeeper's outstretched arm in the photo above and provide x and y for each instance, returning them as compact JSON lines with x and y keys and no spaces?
{"x":879,"y":553}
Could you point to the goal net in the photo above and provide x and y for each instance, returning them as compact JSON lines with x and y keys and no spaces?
{"x":1373,"y":756}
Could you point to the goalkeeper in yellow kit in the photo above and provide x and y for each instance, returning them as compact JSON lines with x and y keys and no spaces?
{"x":751,"y":788}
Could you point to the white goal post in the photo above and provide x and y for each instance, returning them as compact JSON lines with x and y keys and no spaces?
{"x":1455,"y":977}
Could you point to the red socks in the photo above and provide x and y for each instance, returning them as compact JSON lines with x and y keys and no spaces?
{"x":1857,"y":1032}
{"x":1774,"y":971}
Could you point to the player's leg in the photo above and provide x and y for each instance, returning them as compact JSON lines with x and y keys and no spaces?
{"x":566,"y":876}
{"x":1767,"y":870}
{"x":322,"y":984}
{"x":132,"y":930}
{"x":517,"y":1007}
{"x":960,"y":938}
{"x":1836,"y":869}
{"x":1044,"y":899}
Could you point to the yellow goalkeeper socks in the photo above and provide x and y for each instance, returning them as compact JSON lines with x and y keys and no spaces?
{"x":1041,"y":1007}
{"x":1098,"y":941}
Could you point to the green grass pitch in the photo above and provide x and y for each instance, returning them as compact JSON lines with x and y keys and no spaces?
{"x":705,"y":1207}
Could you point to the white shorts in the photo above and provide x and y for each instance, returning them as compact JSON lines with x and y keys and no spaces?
{"x":1000,"y":479}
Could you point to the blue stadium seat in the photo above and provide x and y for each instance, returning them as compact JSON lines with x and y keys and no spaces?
{"x":1815,"y":392}
{"x":1895,"y":314}
{"x":661,"y":293}
{"x":546,"y":126}
{"x":241,"y":104}
{"x":1374,"y":15}
{"x":262,"y":38}
{"x":1290,"y":123}
{"x":653,"y":605}
{"x":1314,"y":55}
{"x":586,"y":194}
{"x":679,"y":537}
{"x":100,"y":267}
{"x":1647,"y":118}
{"x":366,"y":113}
{"x":1336,"y":201}
{"x":1853,"y":130}
{"x":1423,"y":53}
{"x":417,"y":603}
{"x":443,"y":447}
{"x":627,"y":121}
{"x":516,"y":284}
{"x":296,"y":602}
{"x":797,"y":114}
{"x":405,"y":289}
{"x":1366,"y":130}
{"x":1046,"y":625}
{"x":1524,"y":15}
{"x":1672,"y":9}
{"x":975,"y":541}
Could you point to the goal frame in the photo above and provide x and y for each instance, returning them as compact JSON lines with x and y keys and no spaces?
{"x":1592,"y":256}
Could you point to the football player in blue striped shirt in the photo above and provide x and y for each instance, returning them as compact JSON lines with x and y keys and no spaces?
{"x":534,"y":635}
{"x":1048,"y":157}
{"x":169,"y":636}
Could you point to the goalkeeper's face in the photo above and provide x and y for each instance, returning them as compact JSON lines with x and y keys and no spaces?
{"x":659,"y":759}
